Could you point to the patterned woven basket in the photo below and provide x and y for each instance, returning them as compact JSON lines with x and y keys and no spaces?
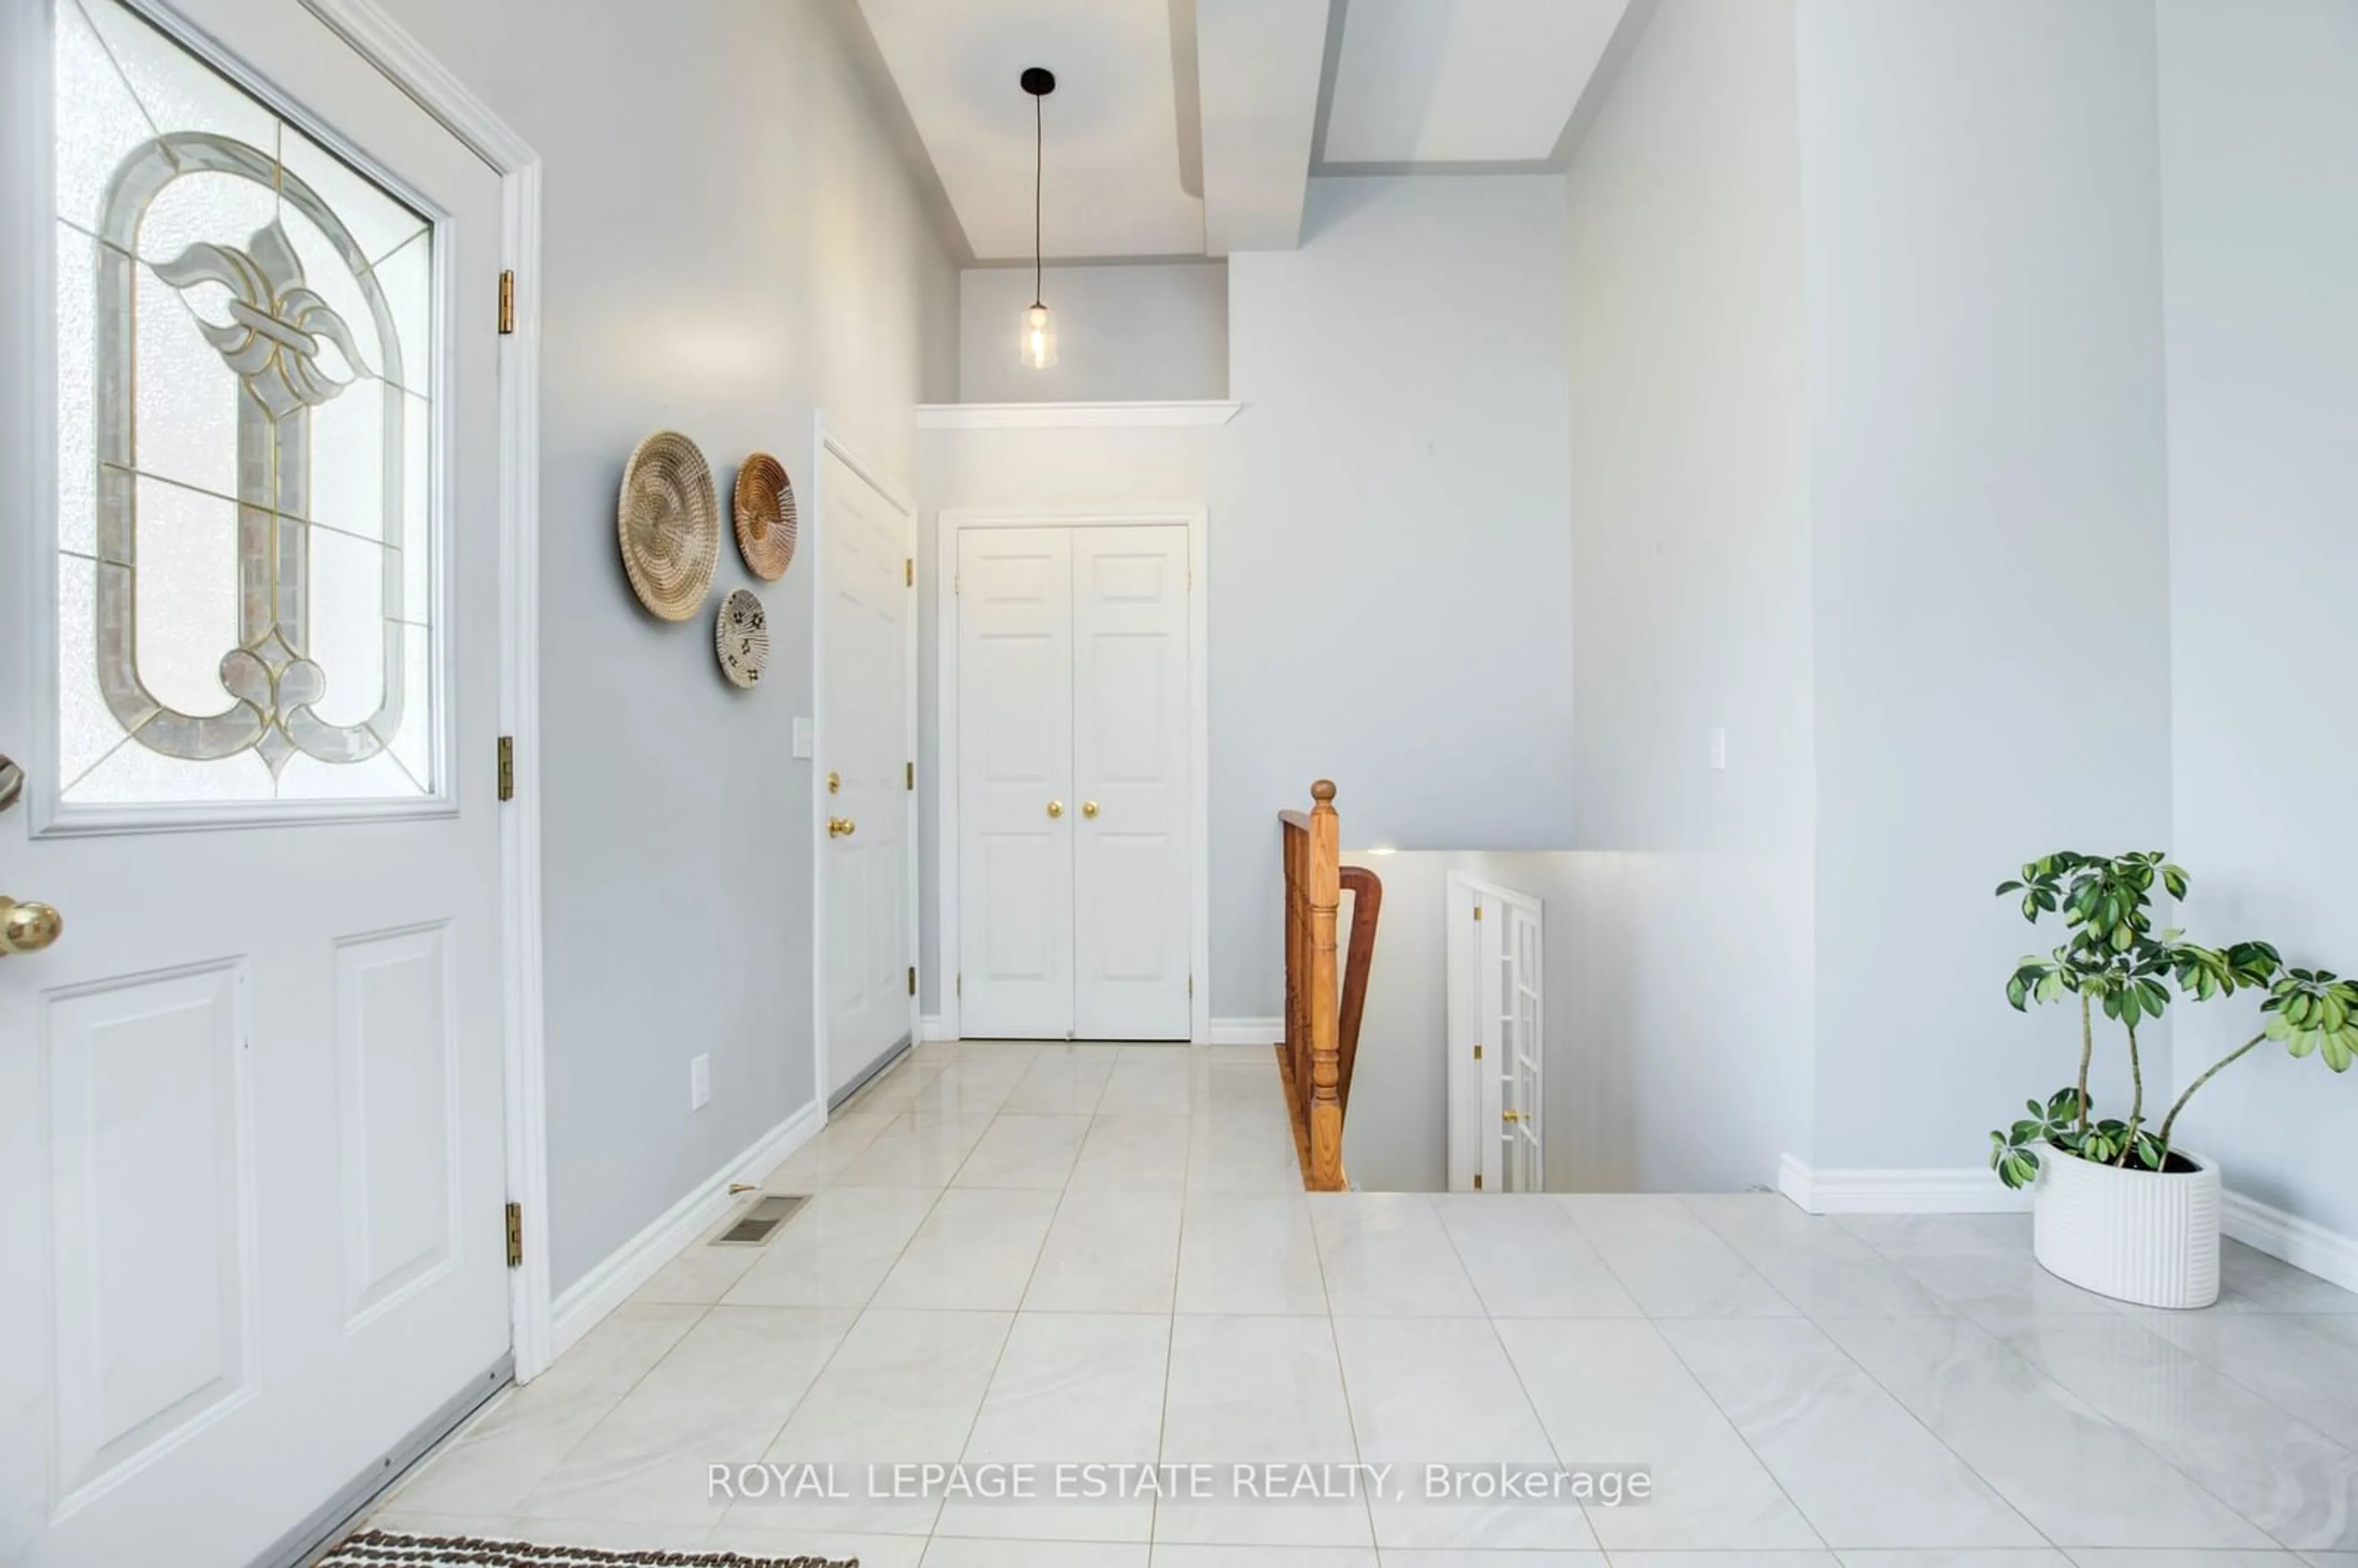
{"x":669,"y":522}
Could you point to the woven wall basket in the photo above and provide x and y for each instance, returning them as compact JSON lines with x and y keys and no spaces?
{"x":669,"y":521}
{"x":740,"y":636}
{"x":765,"y":517}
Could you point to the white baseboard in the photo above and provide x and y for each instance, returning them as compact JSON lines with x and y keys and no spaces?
{"x":2307,"y":1246}
{"x":1966,"y":1191}
{"x":931,"y":1030}
{"x":2304,"y":1244}
{"x":589,"y":1299}
{"x":1247,"y":1031}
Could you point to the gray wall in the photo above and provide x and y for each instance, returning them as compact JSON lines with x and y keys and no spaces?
{"x":1388,"y":559}
{"x":1687,"y":1022}
{"x":2259,"y":121}
{"x":1991,"y":548}
{"x":1868,"y":471}
{"x":1122,"y":333}
{"x":730,"y":243}
{"x":1396,"y":534}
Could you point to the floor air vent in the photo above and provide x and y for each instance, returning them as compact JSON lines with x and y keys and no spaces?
{"x":760,"y":1222}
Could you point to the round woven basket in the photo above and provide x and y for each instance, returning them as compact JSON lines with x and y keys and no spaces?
{"x":741,"y":635}
{"x":765,"y":517}
{"x":669,"y":521}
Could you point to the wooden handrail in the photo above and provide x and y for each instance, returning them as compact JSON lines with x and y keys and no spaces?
{"x":1367,"y":891}
{"x":1323,"y":1007}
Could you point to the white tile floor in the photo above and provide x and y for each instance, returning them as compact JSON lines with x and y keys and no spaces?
{"x":1094,"y":1252}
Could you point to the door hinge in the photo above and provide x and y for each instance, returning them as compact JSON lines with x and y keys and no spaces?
{"x":908,"y":571}
{"x":957,"y":583}
{"x":1191,"y":988}
{"x":913,"y":980}
{"x":507,"y":767}
{"x":1477,"y":1053}
{"x":911,"y":773}
{"x":515,"y":1236}
{"x":1477,"y":1181}
{"x":507,"y":303}
{"x":1477,"y":912}
{"x":960,"y":983}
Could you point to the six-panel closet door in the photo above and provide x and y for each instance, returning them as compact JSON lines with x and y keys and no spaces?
{"x":1074,"y":893}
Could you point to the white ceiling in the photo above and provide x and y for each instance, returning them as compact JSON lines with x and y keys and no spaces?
{"x":1113,"y":169}
{"x":1463,"y":81}
{"x":1416,"y":84}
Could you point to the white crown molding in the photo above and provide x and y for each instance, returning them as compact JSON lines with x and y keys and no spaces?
{"x":1071,"y":416}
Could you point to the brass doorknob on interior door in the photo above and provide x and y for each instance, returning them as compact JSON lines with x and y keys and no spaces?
{"x":1510,"y":1115}
{"x":841,"y":827}
{"x":1056,"y":808}
{"x":1088,"y":809}
{"x":28,"y":927}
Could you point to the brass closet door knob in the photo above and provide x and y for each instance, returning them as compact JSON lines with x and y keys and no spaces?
{"x":1088,"y":809}
{"x":28,"y":927}
{"x":1056,"y":808}
{"x":841,"y":827}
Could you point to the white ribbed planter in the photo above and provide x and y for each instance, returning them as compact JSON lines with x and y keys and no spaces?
{"x":2136,"y":1236}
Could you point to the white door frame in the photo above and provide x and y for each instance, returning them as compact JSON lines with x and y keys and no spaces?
{"x":946,"y":525}
{"x":823,"y":441}
{"x":1466,"y":1098}
{"x":365,"y":26}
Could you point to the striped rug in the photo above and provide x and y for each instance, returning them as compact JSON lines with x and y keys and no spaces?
{"x":385,"y":1548}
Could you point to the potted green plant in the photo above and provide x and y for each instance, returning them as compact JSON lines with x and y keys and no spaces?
{"x":2118,"y":1207}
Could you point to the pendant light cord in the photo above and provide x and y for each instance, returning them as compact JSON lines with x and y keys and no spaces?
{"x":1039,"y":168}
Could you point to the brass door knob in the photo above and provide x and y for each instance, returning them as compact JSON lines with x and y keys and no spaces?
{"x":1056,"y":808}
{"x":28,"y":927}
{"x":1088,"y":809}
{"x":841,"y":827}
{"x":1510,"y":1115}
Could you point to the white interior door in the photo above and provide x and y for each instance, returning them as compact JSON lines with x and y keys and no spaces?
{"x":1130,"y":769}
{"x":1497,"y":1137}
{"x":251,"y":1113}
{"x":1015,"y":783}
{"x":1521,"y":1133}
{"x":864,"y":751}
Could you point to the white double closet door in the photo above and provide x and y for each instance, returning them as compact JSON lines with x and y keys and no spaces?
{"x":1075,"y":901}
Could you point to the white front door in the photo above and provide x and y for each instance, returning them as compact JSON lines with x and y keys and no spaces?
{"x":867,"y":758}
{"x":1015,"y":783}
{"x":251,"y":1113}
{"x":1130,"y":920}
{"x":1076,"y":816}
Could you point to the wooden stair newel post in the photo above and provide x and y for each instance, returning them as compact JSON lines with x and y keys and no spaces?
{"x":1325,"y":1096}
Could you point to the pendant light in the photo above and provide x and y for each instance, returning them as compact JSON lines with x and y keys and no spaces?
{"x":1036,"y":340}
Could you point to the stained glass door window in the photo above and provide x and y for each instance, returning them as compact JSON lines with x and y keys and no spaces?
{"x":245,"y":517}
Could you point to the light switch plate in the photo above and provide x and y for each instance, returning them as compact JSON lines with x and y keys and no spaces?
{"x":699,"y":1082}
{"x":804,"y":742}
